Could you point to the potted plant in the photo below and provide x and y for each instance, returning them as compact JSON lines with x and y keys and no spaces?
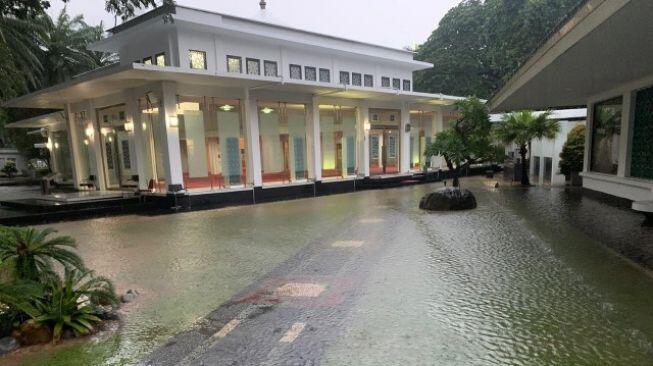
{"x":572,"y":155}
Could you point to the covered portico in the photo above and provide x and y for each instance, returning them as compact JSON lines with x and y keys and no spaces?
{"x":164,"y":129}
{"x":599,"y":58}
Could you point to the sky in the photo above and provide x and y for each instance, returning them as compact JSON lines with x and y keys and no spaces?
{"x":393,"y":23}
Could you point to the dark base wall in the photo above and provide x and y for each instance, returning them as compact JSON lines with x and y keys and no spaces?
{"x":171,"y":203}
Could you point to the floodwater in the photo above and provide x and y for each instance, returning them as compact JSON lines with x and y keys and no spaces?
{"x":525,"y":279}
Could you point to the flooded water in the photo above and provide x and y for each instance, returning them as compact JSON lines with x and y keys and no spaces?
{"x":369,"y":279}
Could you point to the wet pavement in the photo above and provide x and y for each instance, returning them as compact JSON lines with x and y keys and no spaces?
{"x":366,"y":278}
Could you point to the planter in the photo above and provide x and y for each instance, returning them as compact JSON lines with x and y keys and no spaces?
{"x":576,"y":179}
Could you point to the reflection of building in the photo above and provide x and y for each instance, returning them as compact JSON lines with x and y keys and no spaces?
{"x":545,"y":157}
{"x":601,"y":57}
{"x":211,"y":102}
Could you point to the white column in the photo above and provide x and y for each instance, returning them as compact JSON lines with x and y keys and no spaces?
{"x":364,"y":139}
{"x":91,"y":113}
{"x":73,"y":143}
{"x":314,"y":142}
{"x":140,"y":145}
{"x":168,"y":117}
{"x":405,"y":139}
{"x":625,"y":138}
{"x":250,"y":107}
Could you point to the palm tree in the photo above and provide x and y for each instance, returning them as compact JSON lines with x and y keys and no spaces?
{"x":32,"y":253}
{"x":64,"y":45}
{"x":20,"y":66}
{"x":521,"y":128}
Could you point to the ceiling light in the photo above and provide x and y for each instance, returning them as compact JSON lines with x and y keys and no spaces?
{"x":267,"y":110}
{"x":227,"y":107}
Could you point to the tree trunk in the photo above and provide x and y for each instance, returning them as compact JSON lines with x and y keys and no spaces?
{"x":524,"y":166}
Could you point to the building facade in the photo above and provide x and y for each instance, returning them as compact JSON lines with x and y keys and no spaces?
{"x":544,"y":165}
{"x":210,"y":102}
{"x":599,"y":58}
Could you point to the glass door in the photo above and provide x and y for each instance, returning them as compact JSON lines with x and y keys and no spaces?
{"x":117,"y":148}
{"x":384,"y":141}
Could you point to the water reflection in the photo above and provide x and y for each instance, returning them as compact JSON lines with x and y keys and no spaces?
{"x":522,"y":280}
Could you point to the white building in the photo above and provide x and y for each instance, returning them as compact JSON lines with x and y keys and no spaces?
{"x":212,"y":103}
{"x":599,"y":58}
{"x":545,"y":155}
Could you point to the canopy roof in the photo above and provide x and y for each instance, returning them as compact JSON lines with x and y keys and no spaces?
{"x":605,"y":44}
{"x":117,"y":78}
{"x":54,"y":119}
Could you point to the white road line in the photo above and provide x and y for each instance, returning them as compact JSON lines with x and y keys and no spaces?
{"x":227,"y":328}
{"x":293,"y":333}
{"x":294,"y":289}
{"x":371,"y":221}
{"x":347,"y":244}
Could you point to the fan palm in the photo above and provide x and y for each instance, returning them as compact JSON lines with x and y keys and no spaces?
{"x":74,"y":302}
{"x":521,"y":128}
{"x":33,"y":254}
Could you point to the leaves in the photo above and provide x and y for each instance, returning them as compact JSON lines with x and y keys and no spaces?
{"x":73,"y":301}
{"x":468,"y":141}
{"x":32,"y":253}
{"x":479,"y":44}
{"x":573,"y":151}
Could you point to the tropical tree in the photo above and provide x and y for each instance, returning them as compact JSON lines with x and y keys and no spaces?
{"x":467,"y":142}
{"x":74,"y":302}
{"x":521,"y":128}
{"x":64,"y":41}
{"x":32,"y":254}
{"x":20,"y":66}
{"x":480,"y":43}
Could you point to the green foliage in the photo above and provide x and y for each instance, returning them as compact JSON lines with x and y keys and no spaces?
{"x":38,"y":294}
{"x":32,"y":253}
{"x":30,"y":8}
{"x":74,"y":302}
{"x":468,"y":141}
{"x":20,"y":65}
{"x":573,"y":151}
{"x":479,"y":44}
{"x":10,"y":169}
{"x":521,"y":128}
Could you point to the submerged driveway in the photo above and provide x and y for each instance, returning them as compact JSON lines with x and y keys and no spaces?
{"x":368,"y":279}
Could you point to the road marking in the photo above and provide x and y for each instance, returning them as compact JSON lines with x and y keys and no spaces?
{"x":293,"y":289}
{"x":293,"y":333}
{"x":233,"y":323}
{"x":371,"y":221}
{"x":347,"y":244}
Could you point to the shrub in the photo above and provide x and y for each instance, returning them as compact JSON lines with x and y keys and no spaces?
{"x":573,"y":151}
{"x":10,"y":169}
{"x":34,"y":295}
{"x":74,"y":303}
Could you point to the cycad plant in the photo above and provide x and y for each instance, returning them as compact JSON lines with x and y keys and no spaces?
{"x":521,"y":128}
{"x":32,"y":254}
{"x":74,"y":302}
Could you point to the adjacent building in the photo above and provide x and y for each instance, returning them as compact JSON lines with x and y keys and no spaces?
{"x":600,"y":57}
{"x":203,"y":102}
{"x":544,"y":167}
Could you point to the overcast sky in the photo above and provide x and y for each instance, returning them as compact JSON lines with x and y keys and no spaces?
{"x":394,"y":23}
